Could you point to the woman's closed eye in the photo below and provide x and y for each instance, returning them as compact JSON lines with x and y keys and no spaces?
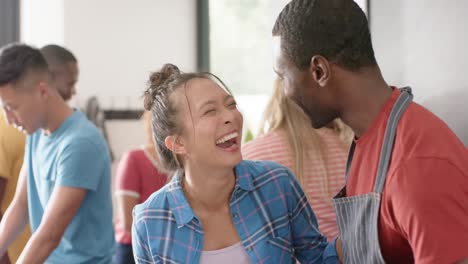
{"x":209,"y":111}
{"x":232,"y":104}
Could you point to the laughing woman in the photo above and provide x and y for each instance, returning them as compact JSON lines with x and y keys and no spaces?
{"x":217,"y":208}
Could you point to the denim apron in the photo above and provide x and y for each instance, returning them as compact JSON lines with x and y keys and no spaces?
{"x":357,"y":216}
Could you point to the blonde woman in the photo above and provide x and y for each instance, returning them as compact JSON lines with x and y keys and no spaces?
{"x":317,"y":157}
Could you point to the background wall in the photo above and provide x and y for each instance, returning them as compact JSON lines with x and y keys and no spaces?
{"x":42,"y":22}
{"x":423,"y":44}
{"x":118,"y":43}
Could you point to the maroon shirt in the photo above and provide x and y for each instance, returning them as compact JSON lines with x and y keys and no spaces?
{"x":137,"y":176}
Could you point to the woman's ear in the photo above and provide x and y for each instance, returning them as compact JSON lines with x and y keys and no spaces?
{"x":174,"y":144}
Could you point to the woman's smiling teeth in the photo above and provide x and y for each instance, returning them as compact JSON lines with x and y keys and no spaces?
{"x":227,"y":137}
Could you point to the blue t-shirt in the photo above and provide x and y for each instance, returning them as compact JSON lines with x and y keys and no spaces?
{"x":75,"y":155}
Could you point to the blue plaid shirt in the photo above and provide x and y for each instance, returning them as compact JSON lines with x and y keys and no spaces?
{"x":269,"y":210}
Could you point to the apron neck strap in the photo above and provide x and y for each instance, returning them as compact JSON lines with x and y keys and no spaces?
{"x":398,"y":109}
{"x":350,"y":159}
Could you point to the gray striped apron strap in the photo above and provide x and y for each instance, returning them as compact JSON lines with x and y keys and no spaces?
{"x":398,"y":109}
{"x":350,"y":160}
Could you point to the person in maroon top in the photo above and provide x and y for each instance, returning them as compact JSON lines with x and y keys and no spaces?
{"x":137,"y":178}
{"x":406,"y":197}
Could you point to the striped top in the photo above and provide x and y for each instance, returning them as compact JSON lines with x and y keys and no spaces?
{"x":275,"y":147}
{"x":269,"y":210}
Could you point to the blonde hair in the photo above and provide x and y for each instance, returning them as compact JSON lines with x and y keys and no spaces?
{"x":282,"y":114}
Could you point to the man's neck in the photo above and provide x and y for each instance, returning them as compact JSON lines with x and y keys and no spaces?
{"x":364,"y":96}
{"x":57,"y":112}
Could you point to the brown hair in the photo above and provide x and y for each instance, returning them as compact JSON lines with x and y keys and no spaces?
{"x":146,"y":118}
{"x":282,"y":114}
{"x":164,"y":111}
{"x":18,"y":61}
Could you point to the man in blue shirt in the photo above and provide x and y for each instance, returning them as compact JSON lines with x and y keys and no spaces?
{"x":64,"y":188}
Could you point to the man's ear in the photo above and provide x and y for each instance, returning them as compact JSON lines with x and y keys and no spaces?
{"x":44,"y":89}
{"x":320,"y":70}
{"x":175,"y":144}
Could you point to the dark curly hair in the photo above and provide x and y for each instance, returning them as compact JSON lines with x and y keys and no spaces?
{"x":335,"y":29}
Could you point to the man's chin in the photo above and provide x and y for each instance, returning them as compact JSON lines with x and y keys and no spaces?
{"x":27,"y":131}
{"x":65,"y":96}
{"x":319,"y":123}
{"x":24,"y":131}
{"x":316,"y":125}
{"x":320,"y":120}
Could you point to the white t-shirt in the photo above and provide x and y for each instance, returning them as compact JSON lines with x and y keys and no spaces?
{"x":234,"y":254}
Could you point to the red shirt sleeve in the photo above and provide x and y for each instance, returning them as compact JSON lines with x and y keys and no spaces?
{"x":128,"y":180}
{"x":430,"y":202}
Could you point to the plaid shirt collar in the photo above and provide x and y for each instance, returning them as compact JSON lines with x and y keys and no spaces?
{"x":179,"y":205}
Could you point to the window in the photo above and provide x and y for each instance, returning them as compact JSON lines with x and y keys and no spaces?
{"x":241,"y":51}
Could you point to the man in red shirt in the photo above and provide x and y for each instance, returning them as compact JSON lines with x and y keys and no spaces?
{"x":406,"y":197}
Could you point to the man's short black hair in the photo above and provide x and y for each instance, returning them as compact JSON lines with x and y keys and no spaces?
{"x":16,"y":60}
{"x":335,"y":29}
{"x":56,"y":55}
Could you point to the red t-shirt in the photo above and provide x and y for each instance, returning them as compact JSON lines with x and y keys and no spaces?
{"x":137,"y":176}
{"x":424,"y":210}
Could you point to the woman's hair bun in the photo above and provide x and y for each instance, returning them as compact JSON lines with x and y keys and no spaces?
{"x":158,"y":83}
